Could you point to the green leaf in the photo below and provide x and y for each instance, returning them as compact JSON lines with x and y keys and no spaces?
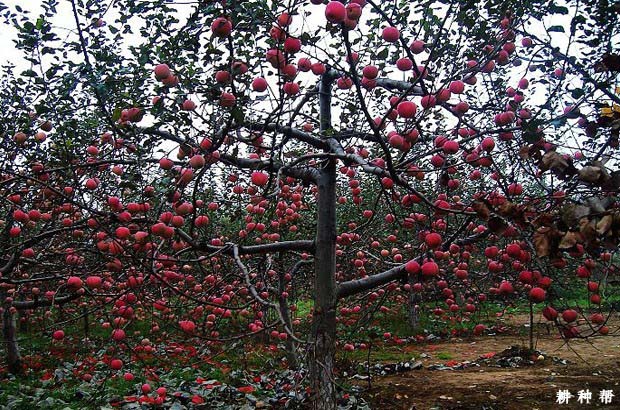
{"x":559,"y":122}
{"x":558,"y":9}
{"x":556,"y":29}
{"x":29,"y":27}
{"x":531,"y":137}
{"x":382,"y":55}
{"x":238,"y":115}
{"x":116,"y":115}
{"x":577,"y":93}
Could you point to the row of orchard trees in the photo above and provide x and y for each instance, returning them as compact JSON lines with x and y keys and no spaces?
{"x":205,"y":167}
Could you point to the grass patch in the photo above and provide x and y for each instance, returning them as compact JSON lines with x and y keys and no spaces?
{"x":444,"y":356}
{"x":304,"y":307}
{"x":378,"y":354}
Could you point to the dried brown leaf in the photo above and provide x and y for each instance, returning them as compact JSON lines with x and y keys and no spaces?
{"x":506,"y":209}
{"x":481,"y":209}
{"x":497,"y":225}
{"x":553,"y":161}
{"x":570,"y":239}
{"x":590,"y":174}
{"x":543,"y":219}
{"x":572,"y":213}
{"x":613,"y":183}
{"x":588,"y":230}
{"x":604,"y":225}
{"x":542,"y":242}
{"x":524,"y":152}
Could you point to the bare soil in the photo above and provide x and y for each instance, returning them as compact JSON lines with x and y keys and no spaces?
{"x":592,"y":364}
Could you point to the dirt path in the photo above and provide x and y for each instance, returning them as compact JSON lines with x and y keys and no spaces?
{"x":593,"y":365}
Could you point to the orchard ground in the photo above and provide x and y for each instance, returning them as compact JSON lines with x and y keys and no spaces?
{"x":458,"y":371}
{"x":579,"y":365}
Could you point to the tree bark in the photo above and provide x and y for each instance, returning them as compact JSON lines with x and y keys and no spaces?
{"x":9,"y":332}
{"x":86,"y":323}
{"x":323,"y":338}
{"x":291,"y":348}
{"x":324,"y":319}
{"x":414,"y":314}
{"x":531,"y":330}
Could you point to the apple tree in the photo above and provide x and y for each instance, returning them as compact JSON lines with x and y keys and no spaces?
{"x":209,"y":165}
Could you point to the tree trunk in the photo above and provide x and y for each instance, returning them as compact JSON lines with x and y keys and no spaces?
{"x":23,"y":322}
{"x":531,"y":327}
{"x":324,"y":319}
{"x":323,"y":349}
{"x":414,"y":315}
{"x":86,"y":323}
{"x":291,"y":348}
{"x":9,"y":332}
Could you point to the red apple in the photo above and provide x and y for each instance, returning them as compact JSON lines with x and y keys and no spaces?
{"x":354,"y":11}
{"x":597,"y":318}
{"x":335,"y":12}
{"x":404,"y":64}
{"x":74,"y":283}
{"x":259,"y":178}
{"x":292,"y":45}
{"x":569,"y":315}
{"x":162,"y":71}
{"x":116,"y":364}
{"x":417,"y":46}
{"x":94,"y":282}
{"x":227,"y":99}
{"x":370,"y":71}
{"x":259,"y":84}
{"x":390,"y":34}
{"x":197,"y":161}
{"x":407,"y":109}
{"x":187,"y":326}
{"x":505,"y":288}
{"x":430,"y":268}
{"x":412,"y":267}
{"x":291,"y":88}
{"x":537,"y":295}
{"x":433,"y":240}
{"x":118,"y":334}
{"x":221,"y":27}
{"x":550,"y":313}
{"x":223,"y":77}
{"x":58,"y":335}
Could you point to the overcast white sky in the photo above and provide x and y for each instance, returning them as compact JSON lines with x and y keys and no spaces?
{"x":8,"y":53}
{"x":64,"y":21}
